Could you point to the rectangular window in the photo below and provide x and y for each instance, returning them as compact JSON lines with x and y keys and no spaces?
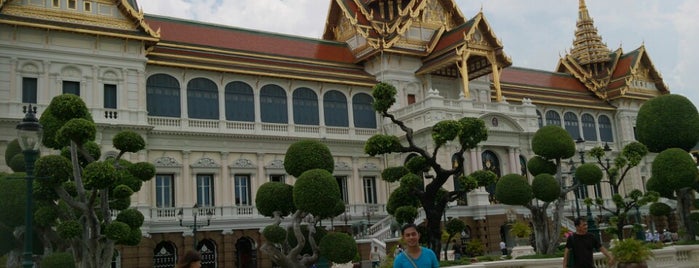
{"x":369,"y":190}
{"x":71,"y":87}
{"x":411,"y":98}
{"x":29,"y":89}
{"x":164,"y":190}
{"x":342,"y":183}
{"x":87,"y":7}
{"x":242,"y":190}
{"x":110,"y":96}
{"x":72,"y":4}
{"x":277,"y":178}
{"x":205,"y":190}
{"x":56,"y":3}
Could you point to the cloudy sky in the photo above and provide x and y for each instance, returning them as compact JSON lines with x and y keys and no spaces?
{"x":534,"y":32}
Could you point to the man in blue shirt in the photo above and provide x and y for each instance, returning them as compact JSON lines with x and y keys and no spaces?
{"x":414,"y":256}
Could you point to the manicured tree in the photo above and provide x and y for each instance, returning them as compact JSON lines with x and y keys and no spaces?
{"x":468,"y":132}
{"x":314,"y":196}
{"x":616,"y":171}
{"x":76,"y":194}
{"x":453,"y":227}
{"x":664,"y":122}
{"x":550,"y":144}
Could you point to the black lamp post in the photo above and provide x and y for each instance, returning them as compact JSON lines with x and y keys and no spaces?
{"x":29,"y":136}
{"x":591,"y":225}
{"x":195,"y":225}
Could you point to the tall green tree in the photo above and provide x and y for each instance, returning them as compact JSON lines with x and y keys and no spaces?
{"x":616,"y":171}
{"x":669,"y":125}
{"x":76,"y":193}
{"x":551,"y":144}
{"x":433,"y":198}
{"x":315,"y":196}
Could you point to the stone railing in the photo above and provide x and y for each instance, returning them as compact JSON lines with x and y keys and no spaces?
{"x":670,"y":256}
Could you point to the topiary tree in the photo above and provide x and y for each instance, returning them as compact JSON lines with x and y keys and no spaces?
{"x":314,"y":196}
{"x":82,"y":191}
{"x":550,"y":144}
{"x":677,"y":115}
{"x":629,"y":157}
{"x":58,"y":260}
{"x":468,"y":132}
{"x":453,"y":227}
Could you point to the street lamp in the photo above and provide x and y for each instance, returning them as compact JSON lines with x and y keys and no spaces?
{"x":592,"y":226}
{"x":29,"y":136}
{"x":195,"y":225}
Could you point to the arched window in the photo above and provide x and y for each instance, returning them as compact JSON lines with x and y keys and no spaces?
{"x":553,"y":118}
{"x":202,"y":99}
{"x":588,"y":126}
{"x":240,"y":102}
{"x":165,"y":255}
{"x":163,"y":96}
{"x":335,"y":109}
{"x":305,"y":107}
{"x":539,"y":119}
{"x":363,"y":111}
{"x":491,"y":163}
{"x":207,"y":249}
{"x":605,"y":129}
{"x":273,"y":107}
{"x":523,"y":166}
{"x":572,"y":125}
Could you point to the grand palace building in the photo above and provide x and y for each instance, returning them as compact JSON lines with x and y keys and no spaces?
{"x":219,"y":105}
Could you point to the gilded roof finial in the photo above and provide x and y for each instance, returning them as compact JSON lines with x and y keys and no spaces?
{"x":588,"y":47}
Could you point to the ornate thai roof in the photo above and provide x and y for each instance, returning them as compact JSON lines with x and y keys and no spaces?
{"x":126,"y":20}
{"x":588,"y":47}
{"x":191,"y":44}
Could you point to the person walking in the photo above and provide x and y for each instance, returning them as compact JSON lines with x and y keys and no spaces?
{"x":375,"y":256}
{"x":503,"y":248}
{"x":580,"y":247}
{"x":414,"y":255}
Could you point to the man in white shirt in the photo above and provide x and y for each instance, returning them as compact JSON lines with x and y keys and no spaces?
{"x":375,"y":257}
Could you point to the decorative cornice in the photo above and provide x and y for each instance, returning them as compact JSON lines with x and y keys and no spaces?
{"x":166,"y":161}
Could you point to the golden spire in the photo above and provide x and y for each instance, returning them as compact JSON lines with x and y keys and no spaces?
{"x":588,"y":48}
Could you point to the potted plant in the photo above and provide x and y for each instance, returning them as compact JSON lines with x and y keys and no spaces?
{"x":522,"y":231}
{"x":631,"y":253}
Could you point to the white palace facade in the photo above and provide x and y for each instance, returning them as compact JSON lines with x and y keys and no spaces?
{"x":219,"y":105}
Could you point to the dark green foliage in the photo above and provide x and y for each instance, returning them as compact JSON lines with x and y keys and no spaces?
{"x":133,"y":239}
{"x":417,"y":165}
{"x":384,"y":96}
{"x":121,"y":191}
{"x":382,"y":144}
{"x":338,"y":247}
{"x":675,"y":168}
{"x":117,"y":230}
{"x":444,"y":131}
{"x":473,"y":131}
{"x":53,"y":170}
{"x":665,"y":115}
{"x":78,"y":130}
{"x":316,"y":191}
{"x":306,"y":155}
{"x":553,"y":142}
{"x":128,"y":141}
{"x":401,"y":196}
{"x":99,"y":175}
{"x":58,"y":260}
{"x":12,"y":149}
{"x":484,"y":177}
{"x":132,"y":217}
{"x":545,"y":187}
{"x":7,"y":241}
{"x":455,"y":226}
{"x":588,"y":174}
{"x":120,"y":203}
{"x":62,"y":109}
{"x":275,"y":196}
{"x":125,"y":178}
{"x":405,"y":214}
{"x":13,"y":193}
{"x":412,"y":181}
{"x":45,"y":216}
{"x":513,"y":189}
{"x":634,"y":152}
{"x":274,"y":233}
{"x":17,"y":163}
{"x":393,"y":174}
{"x":69,"y":229}
{"x":92,"y":148}
{"x":538,"y":165}
{"x":663,"y":189}
{"x":143,"y":171}
{"x":659,"y":209}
